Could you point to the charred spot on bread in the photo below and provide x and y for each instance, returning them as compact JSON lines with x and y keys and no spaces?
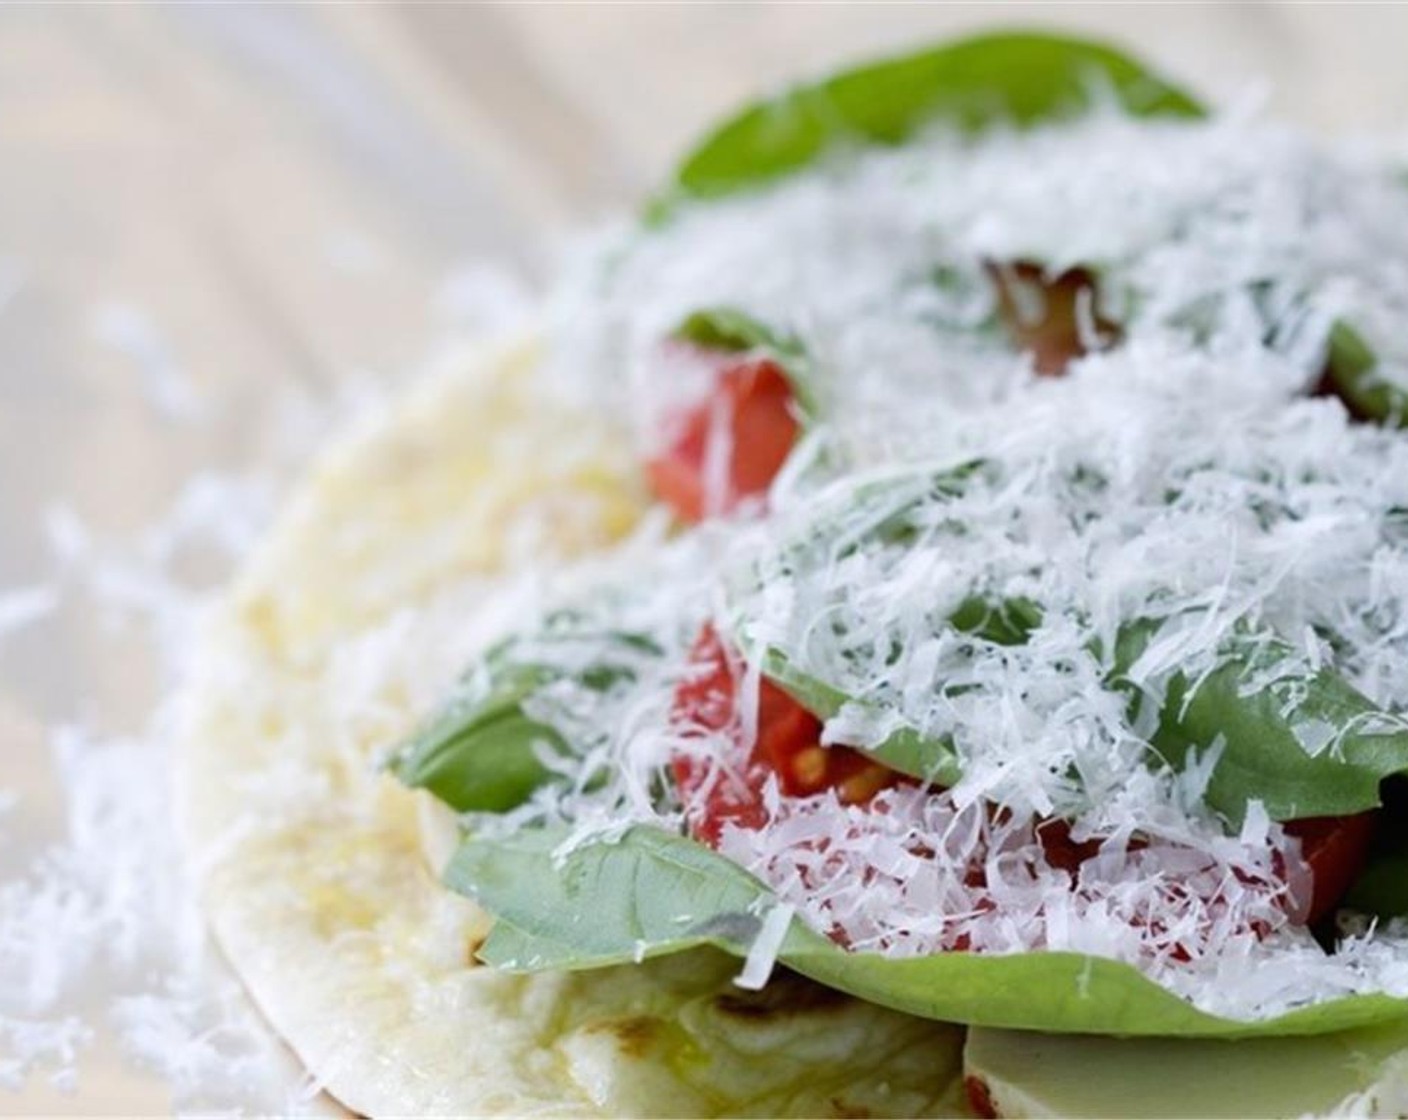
{"x":636,"y":1034}
{"x":785,"y":994}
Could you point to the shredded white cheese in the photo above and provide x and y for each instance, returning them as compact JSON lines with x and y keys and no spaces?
{"x":24,"y":605}
{"x":762,"y":954}
{"x":1182,"y":476}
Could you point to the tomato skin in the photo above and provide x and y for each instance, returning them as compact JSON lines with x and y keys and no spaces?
{"x":1335,"y":849}
{"x":1053,"y":334}
{"x":752,"y":408}
{"x":788,"y":747}
{"x":705,"y":700}
{"x":1061,"y":850}
{"x":980,"y":1100}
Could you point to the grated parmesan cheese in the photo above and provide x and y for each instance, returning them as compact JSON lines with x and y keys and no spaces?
{"x":762,"y":954}
{"x":25,"y":605}
{"x":1180,"y":476}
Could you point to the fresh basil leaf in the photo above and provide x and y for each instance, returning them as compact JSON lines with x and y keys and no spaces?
{"x":1015,"y":78}
{"x":1307,"y":745}
{"x":735,"y":331}
{"x":1007,"y":623}
{"x":907,"y":749}
{"x":481,"y":751}
{"x":727,"y":328}
{"x":509,"y":948}
{"x":1352,"y":371}
{"x":650,"y":893}
{"x":1303,"y":744}
{"x":489,"y":767}
{"x":593,"y":902}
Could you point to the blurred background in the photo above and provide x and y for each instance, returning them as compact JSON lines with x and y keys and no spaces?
{"x":205,"y":207}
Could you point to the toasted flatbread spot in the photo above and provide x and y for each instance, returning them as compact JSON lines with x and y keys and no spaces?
{"x":636,"y":1035}
{"x":786,"y":994}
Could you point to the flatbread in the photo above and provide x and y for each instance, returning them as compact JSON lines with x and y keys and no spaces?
{"x":384,"y":574}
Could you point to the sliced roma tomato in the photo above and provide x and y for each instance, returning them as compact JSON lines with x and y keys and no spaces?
{"x":1042,"y":313}
{"x":788,"y":745}
{"x":1335,"y":849}
{"x":729,"y":790}
{"x":706,"y":700}
{"x":980,"y":1101}
{"x":750,"y":419}
{"x":1060,"y":849}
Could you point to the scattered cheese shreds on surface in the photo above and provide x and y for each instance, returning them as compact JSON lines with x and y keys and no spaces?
{"x":100,"y":935}
{"x":52,"y":1044}
{"x":166,"y":386}
{"x":20,"y":607}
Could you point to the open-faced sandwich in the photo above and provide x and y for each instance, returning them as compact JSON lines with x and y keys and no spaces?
{"x":921,"y":627}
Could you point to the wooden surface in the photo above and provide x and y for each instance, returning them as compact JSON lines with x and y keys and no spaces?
{"x":201,"y":206}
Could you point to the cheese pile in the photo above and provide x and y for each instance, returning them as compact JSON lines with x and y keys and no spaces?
{"x":1185,"y":475}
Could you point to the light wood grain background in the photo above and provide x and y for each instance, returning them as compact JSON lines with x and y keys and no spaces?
{"x":217,"y":201}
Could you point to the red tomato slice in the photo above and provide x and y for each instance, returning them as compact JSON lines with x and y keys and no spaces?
{"x":706,"y":700}
{"x":788,"y":745}
{"x":1335,"y":849}
{"x":749,"y":416}
{"x":980,"y":1100}
{"x":1060,"y":849}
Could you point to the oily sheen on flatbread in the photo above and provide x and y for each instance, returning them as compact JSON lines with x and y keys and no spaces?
{"x":392,"y":564}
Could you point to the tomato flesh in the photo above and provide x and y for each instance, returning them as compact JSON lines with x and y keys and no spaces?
{"x":1043,"y":314}
{"x":980,"y":1101}
{"x":787,"y":746}
{"x":1335,"y":849}
{"x":749,"y":414}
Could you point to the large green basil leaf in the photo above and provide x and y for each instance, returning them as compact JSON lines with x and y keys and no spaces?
{"x":735,"y":331}
{"x":1351,"y":368}
{"x":1020,"y":78}
{"x":480,"y":751}
{"x":1306,"y":745}
{"x":906,"y":748}
{"x":650,"y":893}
